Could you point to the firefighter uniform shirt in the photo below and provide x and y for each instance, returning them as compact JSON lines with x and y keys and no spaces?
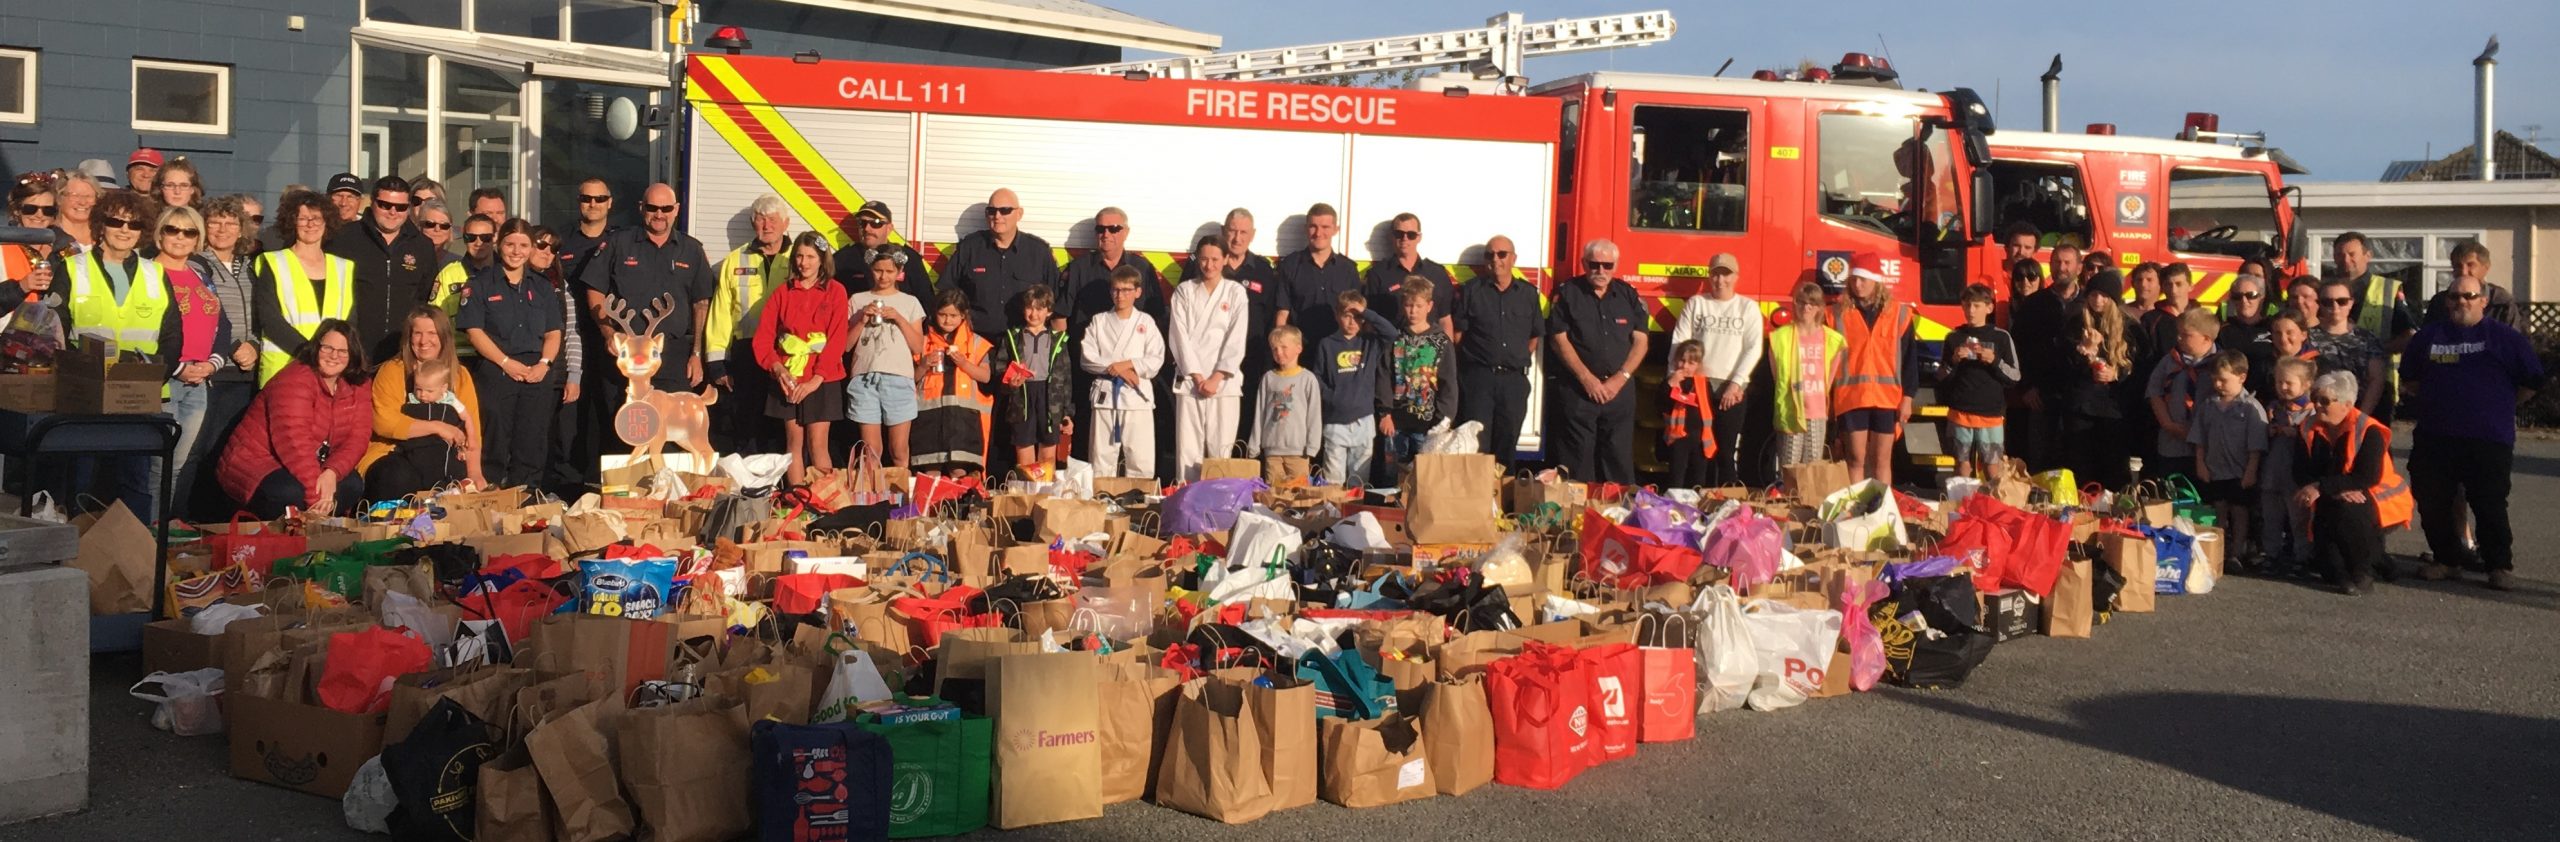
{"x":1601,"y":326}
{"x":631,"y":267}
{"x":514,"y":316}
{"x":994,"y":277}
{"x":1311,"y":289}
{"x":1495,"y":325}
{"x":1385,"y":280}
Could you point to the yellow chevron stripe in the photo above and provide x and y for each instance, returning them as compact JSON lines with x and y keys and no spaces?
{"x":793,"y":143}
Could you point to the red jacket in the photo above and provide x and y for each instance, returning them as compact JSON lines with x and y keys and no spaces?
{"x":800,"y":312}
{"x":285,"y":427}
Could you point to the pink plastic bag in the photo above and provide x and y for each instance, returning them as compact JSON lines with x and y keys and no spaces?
{"x":1866,"y":645}
{"x":1748,"y":546}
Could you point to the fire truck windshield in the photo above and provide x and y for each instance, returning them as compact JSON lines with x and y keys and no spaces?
{"x":1877,"y":172}
{"x":2222,"y":212}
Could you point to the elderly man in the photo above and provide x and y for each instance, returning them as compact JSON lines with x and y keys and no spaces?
{"x":1088,"y":275}
{"x":2471,"y":260}
{"x":395,"y":267}
{"x":1728,"y":329}
{"x":870,"y":229}
{"x":1405,"y":259}
{"x":142,"y":170}
{"x":637,"y":266}
{"x":1313,"y":276}
{"x":346,"y":193}
{"x":2468,"y":373}
{"x":1597,"y":331}
{"x":745,"y":276}
{"x":1496,"y":317}
{"x":995,"y":264}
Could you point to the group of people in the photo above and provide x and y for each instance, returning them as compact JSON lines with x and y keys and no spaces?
{"x":356,"y":351}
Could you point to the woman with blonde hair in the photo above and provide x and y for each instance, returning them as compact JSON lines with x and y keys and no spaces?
{"x":426,"y":414}
{"x":2096,"y":383}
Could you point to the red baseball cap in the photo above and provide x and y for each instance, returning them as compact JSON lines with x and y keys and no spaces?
{"x":145,"y":155}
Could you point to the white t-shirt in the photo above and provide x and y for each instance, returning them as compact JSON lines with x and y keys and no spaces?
{"x":883,"y":347}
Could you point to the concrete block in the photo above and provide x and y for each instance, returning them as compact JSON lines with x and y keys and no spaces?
{"x":44,"y":686}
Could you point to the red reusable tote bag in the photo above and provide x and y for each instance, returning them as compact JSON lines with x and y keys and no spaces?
{"x":1541,"y":717}
{"x":1670,"y":712}
{"x":254,"y":545}
{"x":1616,"y":673}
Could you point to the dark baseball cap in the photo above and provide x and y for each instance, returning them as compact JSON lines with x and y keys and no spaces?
{"x":877,"y":208}
{"x":346,"y":181}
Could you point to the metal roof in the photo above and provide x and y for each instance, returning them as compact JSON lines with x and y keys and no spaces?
{"x":1068,"y":20}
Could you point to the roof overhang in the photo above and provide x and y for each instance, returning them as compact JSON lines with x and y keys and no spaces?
{"x":1124,"y":31}
{"x":541,"y":59}
{"x":2466,"y":194}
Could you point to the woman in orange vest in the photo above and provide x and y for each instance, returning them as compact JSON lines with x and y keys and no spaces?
{"x":2349,"y":486}
{"x":27,"y":270}
{"x":1869,"y":401}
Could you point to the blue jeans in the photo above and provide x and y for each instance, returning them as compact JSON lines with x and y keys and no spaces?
{"x":1401,"y":448}
{"x":188,"y":404}
{"x":1348,"y":449}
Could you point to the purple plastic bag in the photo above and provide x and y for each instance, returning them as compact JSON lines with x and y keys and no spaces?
{"x":1676,"y":523}
{"x":1941,"y":565}
{"x":1749,"y":546}
{"x":1209,"y":505}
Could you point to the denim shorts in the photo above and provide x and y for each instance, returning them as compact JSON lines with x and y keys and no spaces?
{"x":1990,"y":439}
{"x":881,"y":398}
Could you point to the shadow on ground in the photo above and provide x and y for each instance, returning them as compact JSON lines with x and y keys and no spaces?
{"x":2421,"y":772}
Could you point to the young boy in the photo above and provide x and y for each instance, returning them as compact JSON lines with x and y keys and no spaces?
{"x":2229,"y":432}
{"x":2175,"y":385}
{"x":1123,"y":350}
{"x":1032,"y":365}
{"x":1288,"y":426}
{"x":1208,"y":328}
{"x":2283,"y":542}
{"x":1981,"y":366}
{"x":1347,"y":366}
{"x":1421,"y":386}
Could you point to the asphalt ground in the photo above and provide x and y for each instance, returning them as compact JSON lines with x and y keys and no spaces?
{"x":2266,"y":710}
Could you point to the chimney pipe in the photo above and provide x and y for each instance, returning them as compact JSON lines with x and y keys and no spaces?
{"x":2053,"y":95}
{"x":2483,"y":99}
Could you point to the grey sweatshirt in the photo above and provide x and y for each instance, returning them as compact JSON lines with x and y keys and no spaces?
{"x":1289,"y":416}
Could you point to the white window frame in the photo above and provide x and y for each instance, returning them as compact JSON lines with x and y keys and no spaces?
{"x":2435,"y":252}
{"x":222,"y":96}
{"x":27,"y":84}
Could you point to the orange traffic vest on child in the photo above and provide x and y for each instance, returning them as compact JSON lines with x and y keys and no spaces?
{"x":1871,"y":378}
{"x":1692,"y":398}
{"x":2390,"y":496}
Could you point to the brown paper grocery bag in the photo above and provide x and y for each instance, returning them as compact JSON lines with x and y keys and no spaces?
{"x":971,"y":653}
{"x":685,"y":767}
{"x":512,"y":805}
{"x":1374,"y":763}
{"x":417,"y":580}
{"x":1286,"y":713}
{"x":1453,"y":499}
{"x":574,"y":754}
{"x":1285,"y":471}
{"x":1136,"y":713}
{"x":116,"y":551}
{"x":2011,"y":484}
{"x":2134,"y":559}
{"x":781,"y":691}
{"x":1213,"y":765}
{"x":1457,"y":728}
{"x":1471,"y":653}
{"x":1812,"y":481}
{"x":1230,"y":468}
{"x":2070,"y":609}
{"x":1048,"y":744}
{"x":1066,"y":517}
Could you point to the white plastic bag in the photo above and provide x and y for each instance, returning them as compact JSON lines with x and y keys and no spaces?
{"x":1862,"y":517}
{"x":1506,"y":566}
{"x":41,"y":507}
{"x":369,"y":799}
{"x":1460,"y":439}
{"x":188,"y":704}
{"x":762,"y":470}
{"x":218,"y":616}
{"x":1728,"y":663}
{"x":1360,"y":532}
{"x":844,"y":564}
{"x":855,"y":680}
{"x":1259,"y":550}
{"x":1960,"y":487}
{"x":1795,"y":647}
{"x":2199,"y":574}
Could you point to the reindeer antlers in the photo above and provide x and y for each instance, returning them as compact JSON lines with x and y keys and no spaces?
{"x":659,"y":308}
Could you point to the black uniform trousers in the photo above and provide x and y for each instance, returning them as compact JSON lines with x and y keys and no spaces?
{"x":1497,"y":398}
{"x":2346,"y":540}
{"x":515,"y":424}
{"x":1592,"y":441}
{"x":2445,"y":472}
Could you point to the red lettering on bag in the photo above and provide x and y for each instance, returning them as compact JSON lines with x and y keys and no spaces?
{"x":1802,"y":675}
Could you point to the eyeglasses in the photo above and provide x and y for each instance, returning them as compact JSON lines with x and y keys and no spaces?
{"x":993,"y":210}
{"x":1599,"y":265}
{"x":175,"y":231}
{"x":390,"y":207}
{"x":35,"y":210}
{"x":1408,"y":235}
{"x":436,"y":226}
{"x":478,"y":238}
{"x":1109,"y":229}
{"x":593,"y":199}
{"x":650,"y":208}
{"x":126,"y":224}
{"x":2466,"y":296}
{"x":338,"y":350}
{"x":2337,"y":302}
{"x":1498,"y":255}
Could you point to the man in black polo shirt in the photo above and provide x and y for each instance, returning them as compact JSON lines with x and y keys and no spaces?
{"x":1312,"y":277}
{"x":1088,"y":280}
{"x":1387,"y":276}
{"x":580,"y":429}
{"x":993,"y":266}
{"x":395,"y":266}
{"x":1597,"y":331}
{"x":638,"y":265}
{"x":870,"y":227}
{"x":1497,"y":330}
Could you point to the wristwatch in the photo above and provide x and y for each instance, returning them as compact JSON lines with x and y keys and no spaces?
{"x":546,"y":361}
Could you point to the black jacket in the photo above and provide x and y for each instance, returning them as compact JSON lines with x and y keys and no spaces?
{"x":390,"y":278}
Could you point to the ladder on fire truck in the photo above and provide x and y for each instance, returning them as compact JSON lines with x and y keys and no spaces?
{"x":1496,"y":51}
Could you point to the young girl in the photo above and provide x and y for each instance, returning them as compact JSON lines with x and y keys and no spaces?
{"x":2284,"y":524}
{"x":799,"y":340}
{"x":1805,"y":358}
{"x":1208,"y":333}
{"x":887,"y":324}
{"x":1685,"y":437}
{"x":951,"y":423}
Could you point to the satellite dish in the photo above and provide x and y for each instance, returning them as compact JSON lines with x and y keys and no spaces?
{"x":622,"y":118}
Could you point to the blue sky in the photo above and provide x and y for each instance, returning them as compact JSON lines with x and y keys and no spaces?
{"x":2344,"y":87}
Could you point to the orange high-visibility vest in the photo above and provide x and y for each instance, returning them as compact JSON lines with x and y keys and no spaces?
{"x":2391,"y":495}
{"x":1871,"y":378}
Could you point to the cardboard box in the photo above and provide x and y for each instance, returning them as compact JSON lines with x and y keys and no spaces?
{"x":27,"y":392}
{"x":92,"y":380}
{"x":173,"y":646}
{"x":308,"y":748}
{"x":2008,"y":613}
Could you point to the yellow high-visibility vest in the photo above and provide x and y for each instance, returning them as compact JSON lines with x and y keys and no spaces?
{"x":301,"y":313}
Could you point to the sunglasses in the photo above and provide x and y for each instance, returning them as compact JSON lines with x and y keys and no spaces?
{"x":257,"y":219}
{"x":35,"y":210}
{"x":2248,"y":296}
{"x":592,"y":199}
{"x":1109,"y":229}
{"x":478,"y":238}
{"x":545,"y":245}
{"x":874,"y":223}
{"x":175,"y":231}
{"x":390,"y":207}
{"x":126,"y":224}
{"x":2465,"y":296}
{"x":1408,"y":235}
{"x":435,"y":226}
{"x":1498,"y":255}
{"x":1600,"y":265}
{"x":993,"y":210}
{"x":645,"y":206}
{"x":2337,"y":302}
